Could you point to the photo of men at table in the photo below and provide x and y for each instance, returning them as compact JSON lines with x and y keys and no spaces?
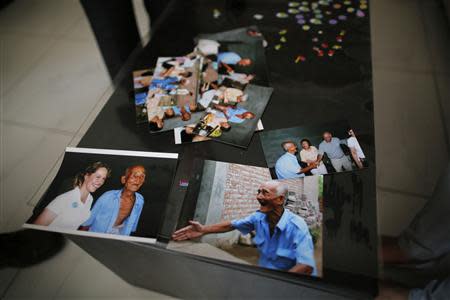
{"x":315,"y":153}
{"x":274,"y":224}
{"x":109,"y":196}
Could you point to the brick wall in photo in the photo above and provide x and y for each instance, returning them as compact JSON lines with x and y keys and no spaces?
{"x":241,"y":185}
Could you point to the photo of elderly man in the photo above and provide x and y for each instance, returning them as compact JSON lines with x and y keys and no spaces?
{"x":118,"y":211}
{"x":282,"y":238}
{"x":287,"y":166}
{"x":332,"y":147}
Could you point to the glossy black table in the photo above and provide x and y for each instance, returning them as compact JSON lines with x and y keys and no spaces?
{"x":320,"y":89}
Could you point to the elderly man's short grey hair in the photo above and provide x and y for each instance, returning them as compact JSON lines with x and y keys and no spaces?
{"x":281,"y":188}
{"x":285,"y":145}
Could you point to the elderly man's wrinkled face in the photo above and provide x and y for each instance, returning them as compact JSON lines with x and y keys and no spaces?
{"x":291,"y":148}
{"x":159,"y":122}
{"x":327,"y":137}
{"x":169,"y":112}
{"x":134,"y":178}
{"x":268,"y":198}
{"x":245,"y":62}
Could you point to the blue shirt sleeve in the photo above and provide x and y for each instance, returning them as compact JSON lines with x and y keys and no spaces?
{"x":288,"y":167}
{"x":321,"y":148}
{"x":96,"y":209}
{"x":245,"y":225}
{"x":230,"y":58}
{"x":304,"y":252}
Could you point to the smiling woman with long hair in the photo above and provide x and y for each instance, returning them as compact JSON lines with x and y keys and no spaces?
{"x":71,"y":209}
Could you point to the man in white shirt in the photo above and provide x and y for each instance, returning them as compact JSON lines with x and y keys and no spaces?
{"x":356,"y":151}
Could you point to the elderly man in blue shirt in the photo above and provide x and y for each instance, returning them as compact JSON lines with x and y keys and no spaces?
{"x":332,"y":147}
{"x":232,"y":58}
{"x":282,"y":237}
{"x":118,"y":211}
{"x":287,"y":166}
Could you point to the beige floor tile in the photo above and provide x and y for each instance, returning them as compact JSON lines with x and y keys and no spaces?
{"x":27,"y":156}
{"x":398,"y":37}
{"x":142,"y":19}
{"x":81,"y":31}
{"x":7,"y":276}
{"x":396,"y":211}
{"x":40,"y":17}
{"x":44,"y":280}
{"x":60,"y":92}
{"x":409,"y":131}
{"x":19,"y":54}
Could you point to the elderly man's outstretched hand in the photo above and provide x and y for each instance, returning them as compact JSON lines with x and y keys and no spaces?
{"x":192,"y":231}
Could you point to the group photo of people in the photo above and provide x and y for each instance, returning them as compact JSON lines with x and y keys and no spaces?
{"x":172,"y":92}
{"x":106,"y":194}
{"x":232,"y":106}
{"x":274,"y":224}
{"x":313,"y":150}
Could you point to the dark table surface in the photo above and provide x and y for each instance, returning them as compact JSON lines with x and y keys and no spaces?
{"x":320,"y":89}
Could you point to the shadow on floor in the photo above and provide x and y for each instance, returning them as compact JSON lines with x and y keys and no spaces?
{"x":28,"y":247}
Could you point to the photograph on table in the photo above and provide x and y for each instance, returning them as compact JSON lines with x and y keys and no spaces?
{"x":107,"y":193}
{"x":241,"y":215}
{"x":231,"y":123}
{"x":240,"y":55}
{"x":313,"y":150}
{"x":182,"y":134}
{"x":172,"y":93}
{"x":141,"y":82}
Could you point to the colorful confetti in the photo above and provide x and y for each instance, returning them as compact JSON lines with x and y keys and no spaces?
{"x":258,"y":17}
{"x":282,"y":15}
{"x":216,"y":13}
{"x":360,"y":14}
{"x":300,"y":58}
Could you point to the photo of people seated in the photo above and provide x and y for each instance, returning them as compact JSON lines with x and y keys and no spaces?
{"x":172,"y":92}
{"x":315,"y":150}
{"x":231,"y":106}
{"x":118,"y":195}
{"x":274,"y":224}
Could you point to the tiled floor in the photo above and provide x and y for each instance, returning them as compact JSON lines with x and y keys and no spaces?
{"x":52,"y":77}
{"x":410,"y":42}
